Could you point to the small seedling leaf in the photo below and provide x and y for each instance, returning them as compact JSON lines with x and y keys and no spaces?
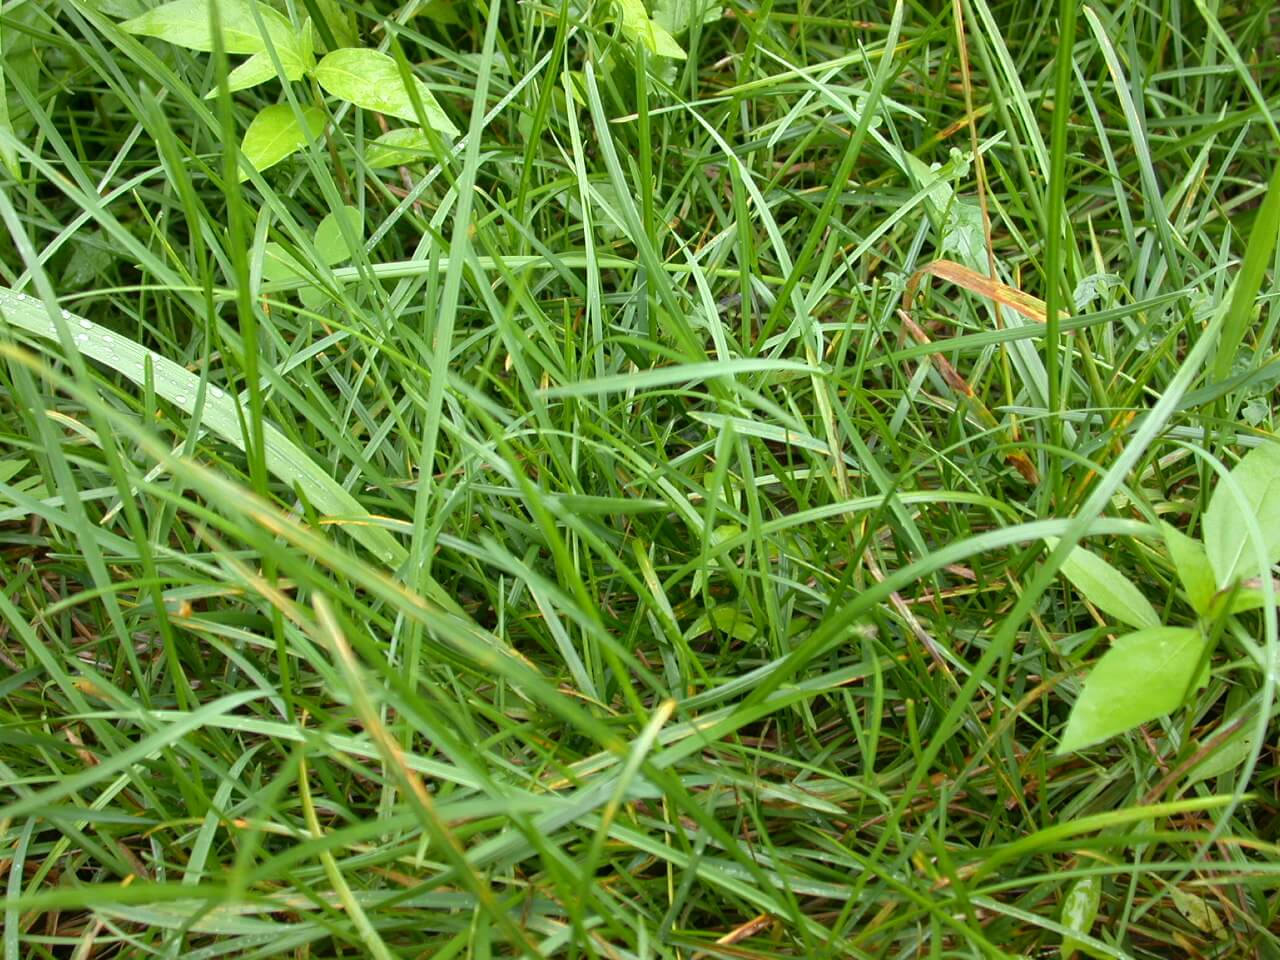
{"x":639,"y":27}
{"x":186,"y":23}
{"x":1226,"y":757}
{"x":1079,"y":910}
{"x":259,"y":69}
{"x":1197,"y":911}
{"x":679,"y":16}
{"x":1143,"y":676}
{"x":371,"y":80}
{"x":330,"y":242}
{"x":1107,"y":588}
{"x":1192,"y":563}
{"x":398,"y":148}
{"x":277,"y":132}
{"x":1231,"y":552}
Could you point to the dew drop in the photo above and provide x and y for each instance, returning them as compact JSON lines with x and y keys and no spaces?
{"x":180,"y":398}
{"x":66,"y":314}
{"x":217,"y":393}
{"x":84,"y":323}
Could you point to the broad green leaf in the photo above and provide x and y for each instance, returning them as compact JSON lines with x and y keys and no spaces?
{"x":1079,"y":910}
{"x":1192,"y":563}
{"x":1229,"y":755}
{"x":679,"y":16}
{"x":1107,"y":588}
{"x":1226,"y":538}
{"x":440,"y":12}
{"x":277,"y":265}
{"x":259,"y":69}
{"x":276,"y":132}
{"x":1198,"y":912}
{"x":1250,"y":596}
{"x":371,"y":80}
{"x":397,"y":148}
{"x":186,"y":24}
{"x":330,"y":243}
{"x":1143,"y":676}
{"x":729,"y":620}
{"x":638,"y":26}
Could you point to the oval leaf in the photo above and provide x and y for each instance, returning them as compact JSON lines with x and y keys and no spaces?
{"x":1079,"y":910}
{"x":1143,"y":676}
{"x":1107,"y":588}
{"x":259,"y":69}
{"x":1229,"y":755}
{"x":1226,"y":534}
{"x":398,"y":147}
{"x":371,"y":80}
{"x":276,"y":132}
{"x":186,"y":24}
{"x":1192,"y":564}
{"x":330,"y":243}
{"x":638,"y":26}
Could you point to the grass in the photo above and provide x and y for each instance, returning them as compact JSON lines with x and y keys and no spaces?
{"x":635,"y":546}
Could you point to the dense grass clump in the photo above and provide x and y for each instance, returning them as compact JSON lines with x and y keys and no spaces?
{"x":643,"y":525}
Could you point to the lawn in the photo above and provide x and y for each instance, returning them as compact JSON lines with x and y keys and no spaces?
{"x":639,"y":479}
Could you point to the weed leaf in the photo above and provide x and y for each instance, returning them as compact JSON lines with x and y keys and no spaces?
{"x":1226,"y":522}
{"x":397,"y":148}
{"x":1107,"y":588}
{"x":1143,"y":676}
{"x":1192,"y":563}
{"x":277,"y":132}
{"x":638,"y":26}
{"x":371,"y":80}
{"x":1079,"y":909}
{"x":186,"y":24}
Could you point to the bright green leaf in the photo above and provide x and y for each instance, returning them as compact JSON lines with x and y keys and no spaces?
{"x":276,"y":132}
{"x":1226,"y":532}
{"x":679,"y":16}
{"x":1143,"y":676}
{"x":371,"y":80}
{"x":259,"y":69}
{"x":1107,"y":588}
{"x":330,"y":243}
{"x":1192,"y":563}
{"x":1250,"y":596}
{"x":1079,"y":910}
{"x":1226,"y":757}
{"x":638,"y":26}
{"x":397,"y":148}
{"x":277,"y":265}
{"x":186,"y":24}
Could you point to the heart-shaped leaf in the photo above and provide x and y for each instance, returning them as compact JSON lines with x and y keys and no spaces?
{"x":371,"y":80}
{"x":277,"y":132}
{"x":1143,"y":676}
{"x":1231,"y":552}
{"x":186,"y":23}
